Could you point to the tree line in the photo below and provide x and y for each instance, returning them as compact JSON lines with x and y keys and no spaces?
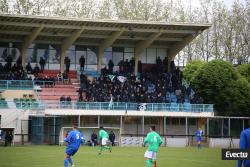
{"x":220,"y":83}
{"x":227,"y":39}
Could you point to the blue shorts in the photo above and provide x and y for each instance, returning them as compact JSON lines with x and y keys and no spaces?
{"x":198,"y":139}
{"x":71,"y":151}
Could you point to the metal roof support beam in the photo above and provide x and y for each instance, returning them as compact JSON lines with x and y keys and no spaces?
{"x":104,"y":44}
{"x":28,"y":41}
{"x":98,"y":28}
{"x":49,"y":34}
{"x":66,"y":44}
{"x":173,"y":51}
{"x":143,"y":45}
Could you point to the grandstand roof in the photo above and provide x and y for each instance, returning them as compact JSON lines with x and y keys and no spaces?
{"x":15,"y":28}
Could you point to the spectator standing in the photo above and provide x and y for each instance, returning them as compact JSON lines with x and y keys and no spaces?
{"x":94,"y":139}
{"x":131,"y":65}
{"x":80,"y":97}
{"x":121,"y":66}
{"x":36,"y":69}
{"x":139,"y":67}
{"x":165,"y":64}
{"x":111,"y":66}
{"x":8,"y":139}
{"x":112,"y":138}
{"x":82,"y":63}
{"x":67,"y":63}
{"x":28,"y":68}
{"x":42,"y":63}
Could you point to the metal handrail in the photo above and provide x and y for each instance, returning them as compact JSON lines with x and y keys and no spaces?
{"x":16,"y":84}
{"x":23,"y":84}
{"x":149,"y":107}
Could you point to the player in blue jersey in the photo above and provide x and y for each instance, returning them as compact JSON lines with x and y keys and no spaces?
{"x":244,"y":144}
{"x":199,"y":134}
{"x":74,"y":140}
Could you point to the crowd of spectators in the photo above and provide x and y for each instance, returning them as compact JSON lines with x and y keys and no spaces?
{"x":161,"y":84}
{"x":15,"y":71}
{"x":65,"y":101}
{"x":12,"y":72}
{"x":44,"y":81}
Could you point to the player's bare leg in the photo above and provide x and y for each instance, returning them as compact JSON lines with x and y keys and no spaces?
{"x":101,"y":147}
{"x":154,"y":163}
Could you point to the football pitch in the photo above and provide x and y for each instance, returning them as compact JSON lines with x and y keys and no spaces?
{"x":52,"y":156}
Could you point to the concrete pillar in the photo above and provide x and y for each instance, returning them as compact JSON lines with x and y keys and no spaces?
{"x":141,"y":46}
{"x":62,"y":57}
{"x":67,"y":42}
{"x":99,"y":121}
{"x":27,"y":42}
{"x":79,"y":120}
{"x":23,"y":54}
{"x":104,"y":44}
{"x":121,"y":125}
{"x":54,"y":130}
{"x":187,"y":138}
{"x":222,"y":127}
{"x":243,"y":124}
{"x":136,"y":62}
{"x":100,"y":54}
{"x":207,"y":128}
{"x":164,"y":126}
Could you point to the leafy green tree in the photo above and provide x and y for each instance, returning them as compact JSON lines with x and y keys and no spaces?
{"x":238,"y":97}
{"x":191,"y":69}
{"x":218,"y":83}
{"x":244,"y":70}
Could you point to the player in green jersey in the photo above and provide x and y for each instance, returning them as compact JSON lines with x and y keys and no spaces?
{"x":103,"y":138}
{"x":154,"y":141}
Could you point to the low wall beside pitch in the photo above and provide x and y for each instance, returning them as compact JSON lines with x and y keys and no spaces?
{"x":223,"y":142}
{"x":176,"y":142}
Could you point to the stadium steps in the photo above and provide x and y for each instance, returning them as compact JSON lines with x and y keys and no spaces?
{"x":57,"y":91}
{"x":53,"y":73}
{"x":11,"y":94}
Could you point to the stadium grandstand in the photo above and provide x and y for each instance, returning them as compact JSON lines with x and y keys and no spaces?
{"x":56,"y":72}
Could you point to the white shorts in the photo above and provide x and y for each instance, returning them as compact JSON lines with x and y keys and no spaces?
{"x":150,"y":155}
{"x":104,"y":141}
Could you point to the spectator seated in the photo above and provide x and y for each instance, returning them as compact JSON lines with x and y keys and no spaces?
{"x":44,"y":81}
{"x":65,"y":102}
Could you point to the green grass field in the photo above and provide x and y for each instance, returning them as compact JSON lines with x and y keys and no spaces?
{"x":52,"y":156}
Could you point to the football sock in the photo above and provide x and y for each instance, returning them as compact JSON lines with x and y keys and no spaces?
{"x":100,"y":149}
{"x":148,"y":163}
{"x":70,"y":161}
{"x":66,"y":162}
{"x":107,"y":147}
